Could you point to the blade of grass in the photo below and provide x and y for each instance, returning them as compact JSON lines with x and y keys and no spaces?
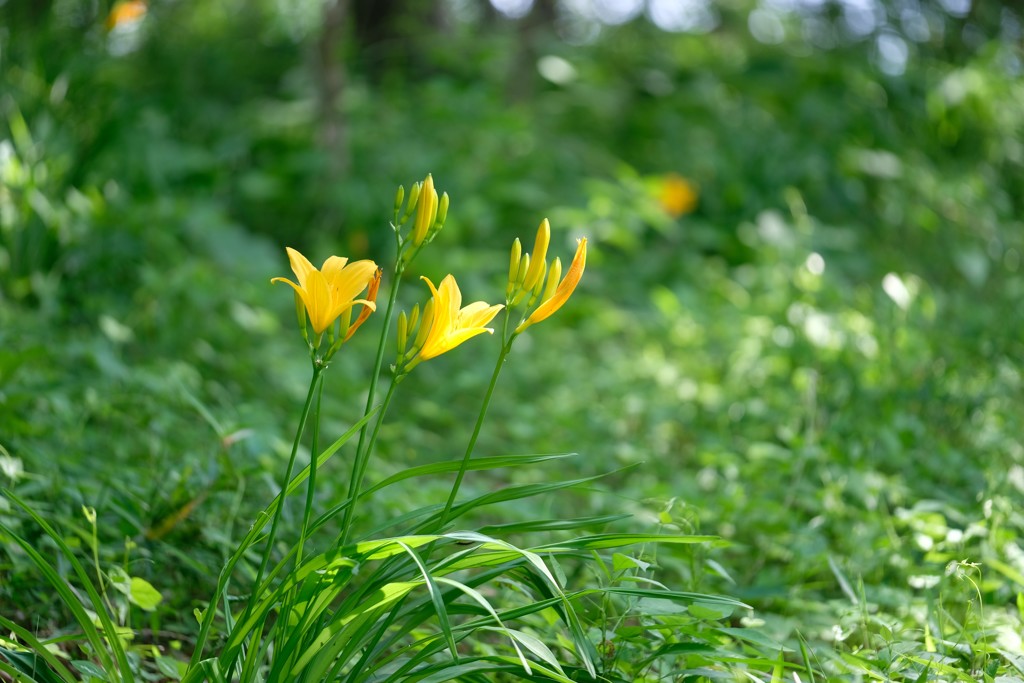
{"x":113,"y":642}
{"x":551,"y":524}
{"x":37,"y":646}
{"x":30,"y":664}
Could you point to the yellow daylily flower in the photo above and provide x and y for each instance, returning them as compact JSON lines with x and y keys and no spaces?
{"x":332,"y":290}
{"x":555,"y":297}
{"x":449,"y":324}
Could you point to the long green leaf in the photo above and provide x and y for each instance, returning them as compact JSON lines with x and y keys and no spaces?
{"x":31,"y":665}
{"x":15,"y":674}
{"x":489,"y":463}
{"x":541,"y":570}
{"x":112,"y":640}
{"x":604,"y":541}
{"x":37,"y":646}
{"x":551,"y":524}
{"x":521,"y":491}
{"x":437,"y":600}
{"x":482,"y":601}
{"x":250,"y":538}
{"x":326,"y":646}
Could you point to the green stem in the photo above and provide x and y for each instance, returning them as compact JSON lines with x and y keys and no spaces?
{"x":375,"y":377}
{"x":359,"y":467}
{"x":313,"y":382}
{"x":311,"y":484}
{"x":505,"y":349}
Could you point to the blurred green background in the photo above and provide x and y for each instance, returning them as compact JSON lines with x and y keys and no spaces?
{"x":801,"y":311}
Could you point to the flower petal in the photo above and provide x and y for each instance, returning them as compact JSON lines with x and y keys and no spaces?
{"x":318,"y":302}
{"x":453,"y":340}
{"x":300,"y":265}
{"x":333,"y":265}
{"x":564,"y":290}
{"x":369,"y":304}
{"x":478,"y":314}
{"x":347,"y":283}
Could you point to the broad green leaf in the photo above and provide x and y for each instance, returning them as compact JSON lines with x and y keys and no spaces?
{"x":143,"y":594}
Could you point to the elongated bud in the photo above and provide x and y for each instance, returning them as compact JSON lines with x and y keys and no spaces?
{"x":540,"y":281}
{"x":414,"y":199}
{"x":513,"y":267}
{"x":538,"y":255}
{"x":554,"y":276}
{"x":537,"y":288}
{"x":300,"y":315}
{"x":344,"y":322}
{"x":414,"y":317}
{"x":425,"y":325}
{"x":520,"y":291}
{"x":524,"y":267}
{"x":399,"y":198}
{"x":513,"y":262}
{"x":426,"y":211}
{"x":403,"y":332}
{"x":442,"y":212}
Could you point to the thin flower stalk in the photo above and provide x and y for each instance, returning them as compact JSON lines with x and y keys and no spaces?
{"x":505,"y":349}
{"x":430,"y":217}
{"x":314,"y":382}
{"x":444,"y":325}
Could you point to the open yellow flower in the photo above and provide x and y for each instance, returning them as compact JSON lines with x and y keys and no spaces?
{"x":556,"y":295}
{"x":451,"y":325}
{"x":330,"y":291}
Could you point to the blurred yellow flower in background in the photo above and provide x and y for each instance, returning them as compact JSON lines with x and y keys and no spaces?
{"x":126,"y":12}
{"x":677,"y":195}
{"x":332,"y":290}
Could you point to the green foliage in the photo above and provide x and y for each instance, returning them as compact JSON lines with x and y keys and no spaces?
{"x":821,"y":364}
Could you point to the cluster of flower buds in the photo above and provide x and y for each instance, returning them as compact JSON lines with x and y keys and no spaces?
{"x":429,"y":209}
{"x":414,"y":327}
{"x":530,"y":280}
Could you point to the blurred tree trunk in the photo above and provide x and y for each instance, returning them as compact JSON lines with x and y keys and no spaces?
{"x":330,"y":71}
{"x":531,"y":30}
{"x":388,"y":33}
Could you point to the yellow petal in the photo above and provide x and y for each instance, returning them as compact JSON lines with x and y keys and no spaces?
{"x":450,"y":325}
{"x":442,"y":319}
{"x":333,"y":265}
{"x":346,"y":284}
{"x":478,"y":314}
{"x":318,"y":302}
{"x":300,"y":265}
{"x":303,"y":295}
{"x":563,"y":291}
{"x":453,"y":340}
